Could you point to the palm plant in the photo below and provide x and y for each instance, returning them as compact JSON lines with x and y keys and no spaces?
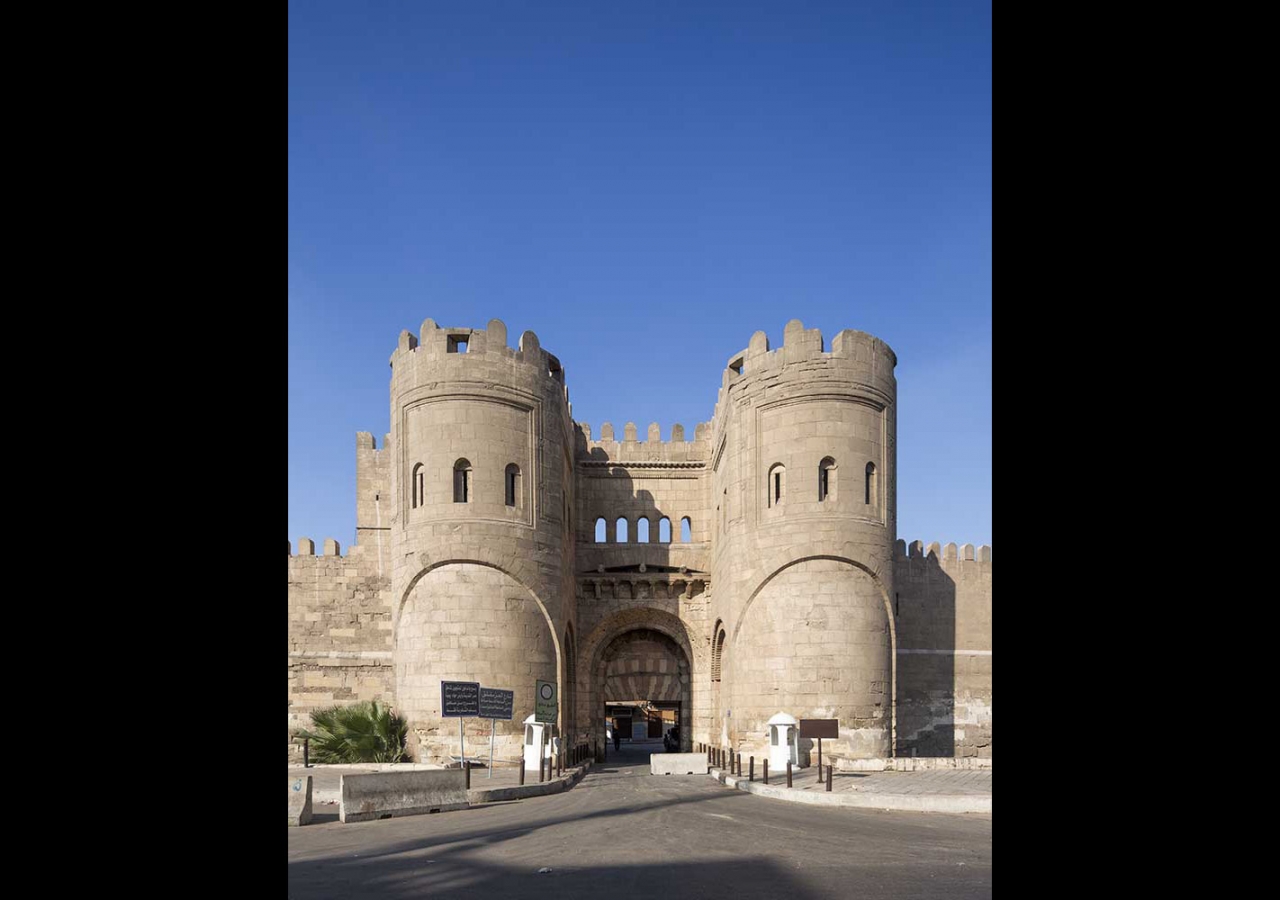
{"x":364,"y":732}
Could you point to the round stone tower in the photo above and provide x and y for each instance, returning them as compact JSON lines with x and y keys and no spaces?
{"x":482,"y":489}
{"x":803,"y":482}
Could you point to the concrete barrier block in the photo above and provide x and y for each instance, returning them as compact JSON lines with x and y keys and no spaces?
{"x":384,"y":795}
{"x":678,"y":764}
{"x":300,"y":801}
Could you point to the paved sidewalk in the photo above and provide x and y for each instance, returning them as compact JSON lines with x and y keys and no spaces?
{"x":937,"y":790}
{"x":952,"y":781}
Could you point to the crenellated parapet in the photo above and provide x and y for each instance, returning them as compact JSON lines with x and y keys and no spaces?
{"x":938,"y":554}
{"x":855,"y":357}
{"x":454,"y":348}
{"x":631,"y":449}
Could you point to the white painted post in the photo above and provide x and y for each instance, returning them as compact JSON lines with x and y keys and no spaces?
{"x":491,"y":721}
{"x":462,"y":744}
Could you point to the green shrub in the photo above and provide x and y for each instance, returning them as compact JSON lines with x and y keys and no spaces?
{"x":364,"y":732}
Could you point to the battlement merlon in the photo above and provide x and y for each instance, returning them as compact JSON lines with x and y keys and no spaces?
{"x":434,"y":344}
{"x":653,"y":449}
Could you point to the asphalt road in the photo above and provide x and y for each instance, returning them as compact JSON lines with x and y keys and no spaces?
{"x":622,"y":831}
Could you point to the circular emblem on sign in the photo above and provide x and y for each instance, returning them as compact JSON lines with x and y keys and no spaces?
{"x":548,"y":692}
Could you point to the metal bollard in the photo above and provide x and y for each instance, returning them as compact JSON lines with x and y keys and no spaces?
{"x":751,"y":768}
{"x":739,"y":765}
{"x":466,"y":767}
{"x":539,"y":770}
{"x":788,"y":773}
{"x":522,"y":767}
{"x":765,"y":763}
{"x":829,"y":768}
{"x":306,"y":753}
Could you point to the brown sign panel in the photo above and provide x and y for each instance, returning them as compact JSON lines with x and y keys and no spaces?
{"x":820,"y":728}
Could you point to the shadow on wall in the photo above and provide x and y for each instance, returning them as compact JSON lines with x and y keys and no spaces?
{"x":925,"y":622}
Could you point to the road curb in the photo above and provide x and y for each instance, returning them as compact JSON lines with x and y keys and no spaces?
{"x":519,"y":792}
{"x":948,"y":803}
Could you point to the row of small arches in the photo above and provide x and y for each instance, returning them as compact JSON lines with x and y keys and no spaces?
{"x":776,"y":486}
{"x":621,"y":533}
{"x":462,"y":491}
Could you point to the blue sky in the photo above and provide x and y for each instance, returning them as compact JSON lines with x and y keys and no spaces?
{"x":644,"y":185}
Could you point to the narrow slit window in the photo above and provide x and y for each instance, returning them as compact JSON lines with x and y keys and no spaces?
{"x":686,"y":530}
{"x":827,"y":480}
{"x":601,"y":530}
{"x":777,"y":485}
{"x":664,"y":530}
{"x":872,"y":498}
{"x":417,"y":483}
{"x":620,"y":533}
{"x":513,"y":485}
{"x":642,"y":530}
{"x":462,"y":481}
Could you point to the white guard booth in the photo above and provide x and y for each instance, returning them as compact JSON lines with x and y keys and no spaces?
{"x":784,"y":742}
{"x":535,"y":737}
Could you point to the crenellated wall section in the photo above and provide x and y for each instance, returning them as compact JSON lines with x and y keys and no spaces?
{"x":942,"y":608}
{"x":339,"y":631}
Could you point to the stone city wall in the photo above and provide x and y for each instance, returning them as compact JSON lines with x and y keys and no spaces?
{"x":339,"y":632}
{"x":943,"y":615}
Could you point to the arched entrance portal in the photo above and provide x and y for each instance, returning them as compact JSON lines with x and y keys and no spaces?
{"x":637,"y":654}
{"x":643,"y":682}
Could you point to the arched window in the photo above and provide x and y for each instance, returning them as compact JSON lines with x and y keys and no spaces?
{"x":827,"y":479}
{"x":872,"y":499}
{"x":642,"y":530}
{"x":620,"y":532}
{"x":462,"y":481}
{"x":664,"y":530}
{"x":416,"y":484}
{"x":717,"y":654}
{"x":514,"y":495}
{"x":777,"y":485}
{"x":602,"y":530}
{"x":686,"y":530}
